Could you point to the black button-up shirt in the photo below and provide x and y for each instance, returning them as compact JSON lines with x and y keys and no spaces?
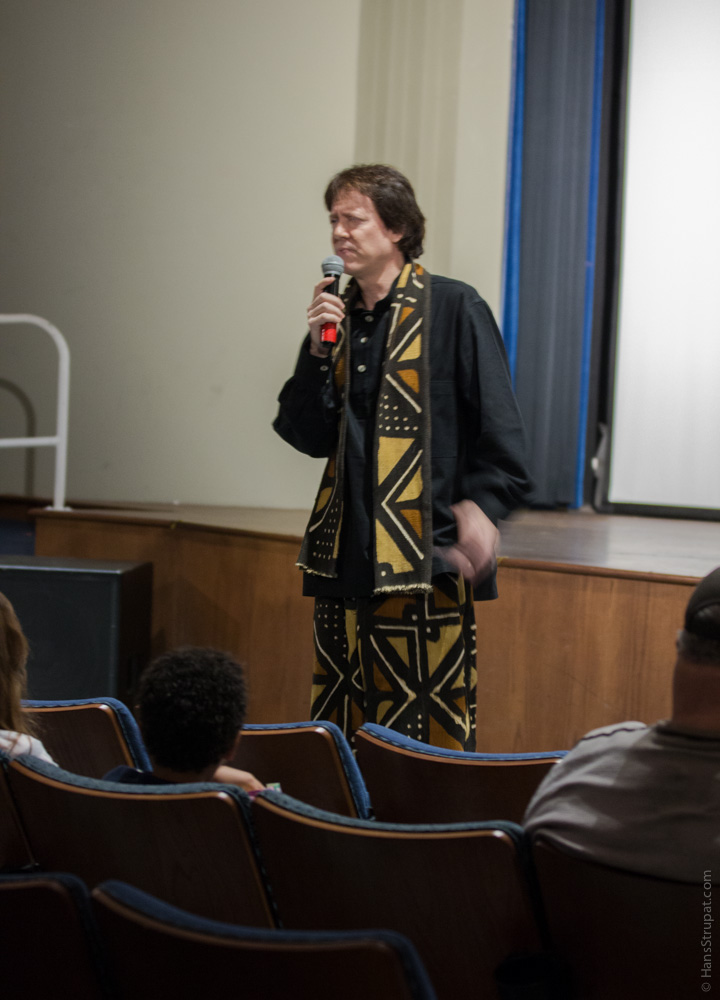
{"x":477,"y":437}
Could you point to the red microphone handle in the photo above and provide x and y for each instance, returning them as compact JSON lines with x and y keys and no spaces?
{"x":328,"y":331}
{"x":328,"y":334}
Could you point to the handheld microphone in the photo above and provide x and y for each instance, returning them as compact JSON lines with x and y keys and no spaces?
{"x":331,"y":267}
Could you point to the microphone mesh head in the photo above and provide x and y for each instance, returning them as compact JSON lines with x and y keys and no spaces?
{"x":332,"y":266}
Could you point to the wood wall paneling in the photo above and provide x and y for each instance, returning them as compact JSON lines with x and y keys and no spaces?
{"x":562,"y":653}
{"x":565,"y":649}
{"x":244,"y":593}
{"x":236,"y":592}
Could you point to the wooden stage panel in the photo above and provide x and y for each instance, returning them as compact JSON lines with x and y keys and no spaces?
{"x":562,"y":653}
{"x":244,"y":593}
{"x":578,"y":638}
{"x":234,"y":591}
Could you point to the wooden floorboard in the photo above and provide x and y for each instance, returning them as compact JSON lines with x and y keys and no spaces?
{"x":642,"y":545}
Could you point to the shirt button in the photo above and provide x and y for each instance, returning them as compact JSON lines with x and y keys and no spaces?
{"x":363,"y":340}
{"x":369,"y":317}
{"x":361,"y":368}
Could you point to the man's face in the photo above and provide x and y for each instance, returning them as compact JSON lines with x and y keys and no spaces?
{"x":360,"y":237}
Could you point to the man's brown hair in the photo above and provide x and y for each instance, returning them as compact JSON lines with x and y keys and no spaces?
{"x":394,"y":199}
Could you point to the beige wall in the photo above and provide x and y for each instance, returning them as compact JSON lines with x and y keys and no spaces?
{"x":160,"y":193}
{"x":434,"y":100}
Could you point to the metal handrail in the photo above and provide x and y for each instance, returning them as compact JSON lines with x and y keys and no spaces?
{"x":59,"y":440}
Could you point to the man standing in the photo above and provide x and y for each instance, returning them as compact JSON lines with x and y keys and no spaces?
{"x":415,"y":411}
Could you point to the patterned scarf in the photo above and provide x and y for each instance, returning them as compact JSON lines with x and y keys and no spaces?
{"x":402,"y":507}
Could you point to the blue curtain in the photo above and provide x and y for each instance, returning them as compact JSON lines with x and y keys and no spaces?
{"x":551,"y":223}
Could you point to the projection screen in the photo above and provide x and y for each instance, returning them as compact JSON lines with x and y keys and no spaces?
{"x":665,"y":427}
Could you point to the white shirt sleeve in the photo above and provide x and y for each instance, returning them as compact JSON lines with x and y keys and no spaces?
{"x":19,"y":743}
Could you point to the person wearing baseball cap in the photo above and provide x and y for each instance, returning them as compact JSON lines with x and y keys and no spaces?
{"x":647,"y":798}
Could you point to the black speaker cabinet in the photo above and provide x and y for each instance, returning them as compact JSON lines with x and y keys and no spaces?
{"x":87,"y":622}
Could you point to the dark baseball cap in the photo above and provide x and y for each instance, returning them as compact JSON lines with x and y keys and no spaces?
{"x":705,"y":595}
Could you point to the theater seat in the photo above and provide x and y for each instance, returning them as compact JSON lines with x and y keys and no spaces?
{"x":459,"y":892}
{"x":157,"y":950}
{"x":187,"y":844}
{"x":14,"y":849}
{"x":312,"y":761}
{"x":413,"y":782}
{"x":49,"y":942}
{"x":89,"y":736}
{"x":625,"y":935}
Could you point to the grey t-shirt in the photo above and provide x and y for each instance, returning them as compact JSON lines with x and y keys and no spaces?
{"x":642,"y":798}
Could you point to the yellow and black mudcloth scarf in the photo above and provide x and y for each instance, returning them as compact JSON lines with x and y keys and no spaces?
{"x":402,"y":506}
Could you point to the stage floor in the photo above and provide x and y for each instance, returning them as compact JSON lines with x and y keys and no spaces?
{"x":607,"y":543}
{"x":613,"y":542}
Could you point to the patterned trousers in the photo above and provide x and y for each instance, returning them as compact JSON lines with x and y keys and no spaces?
{"x":407,"y":662}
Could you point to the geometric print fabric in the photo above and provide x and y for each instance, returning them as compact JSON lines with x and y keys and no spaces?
{"x":402,"y":501}
{"x":405,"y":661}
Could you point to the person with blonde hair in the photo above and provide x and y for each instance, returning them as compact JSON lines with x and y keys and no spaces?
{"x":16,"y":727}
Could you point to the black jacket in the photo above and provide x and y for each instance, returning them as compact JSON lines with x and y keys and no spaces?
{"x":477,"y":435}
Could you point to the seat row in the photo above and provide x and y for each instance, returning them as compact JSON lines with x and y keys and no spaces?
{"x":476,"y":900}
{"x":460,"y":892}
{"x":313,"y":762}
{"x":118,"y":942}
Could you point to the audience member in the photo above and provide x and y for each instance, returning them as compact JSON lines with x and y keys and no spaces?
{"x":16,"y":726}
{"x":647,"y":798}
{"x":191,"y":709}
